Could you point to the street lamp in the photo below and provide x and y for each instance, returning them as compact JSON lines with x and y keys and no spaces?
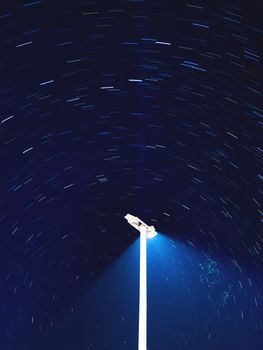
{"x":145,"y":232}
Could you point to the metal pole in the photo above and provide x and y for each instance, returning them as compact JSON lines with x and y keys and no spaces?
{"x":142,"y":337}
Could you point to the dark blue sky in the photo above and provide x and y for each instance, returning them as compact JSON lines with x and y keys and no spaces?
{"x":152,"y":108}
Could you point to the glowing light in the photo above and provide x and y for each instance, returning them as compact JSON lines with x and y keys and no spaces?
{"x":151,"y":234}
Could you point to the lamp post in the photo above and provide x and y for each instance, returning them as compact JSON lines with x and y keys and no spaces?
{"x":146,"y":232}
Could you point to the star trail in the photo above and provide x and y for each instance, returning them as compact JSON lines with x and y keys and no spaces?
{"x":148,"y":107}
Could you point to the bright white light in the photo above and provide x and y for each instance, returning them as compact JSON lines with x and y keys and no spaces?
{"x":151,"y":234}
{"x":145,"y":232}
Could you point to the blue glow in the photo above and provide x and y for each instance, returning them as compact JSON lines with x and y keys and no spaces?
{"x":187,"y":289}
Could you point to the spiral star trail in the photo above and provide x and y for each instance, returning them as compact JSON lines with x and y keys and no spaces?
{"x":148,"y":107}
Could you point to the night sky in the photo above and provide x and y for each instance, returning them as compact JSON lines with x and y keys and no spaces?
{"x":152,"y":108}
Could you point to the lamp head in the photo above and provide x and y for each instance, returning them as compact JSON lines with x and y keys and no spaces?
{"x":139,"y":225}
